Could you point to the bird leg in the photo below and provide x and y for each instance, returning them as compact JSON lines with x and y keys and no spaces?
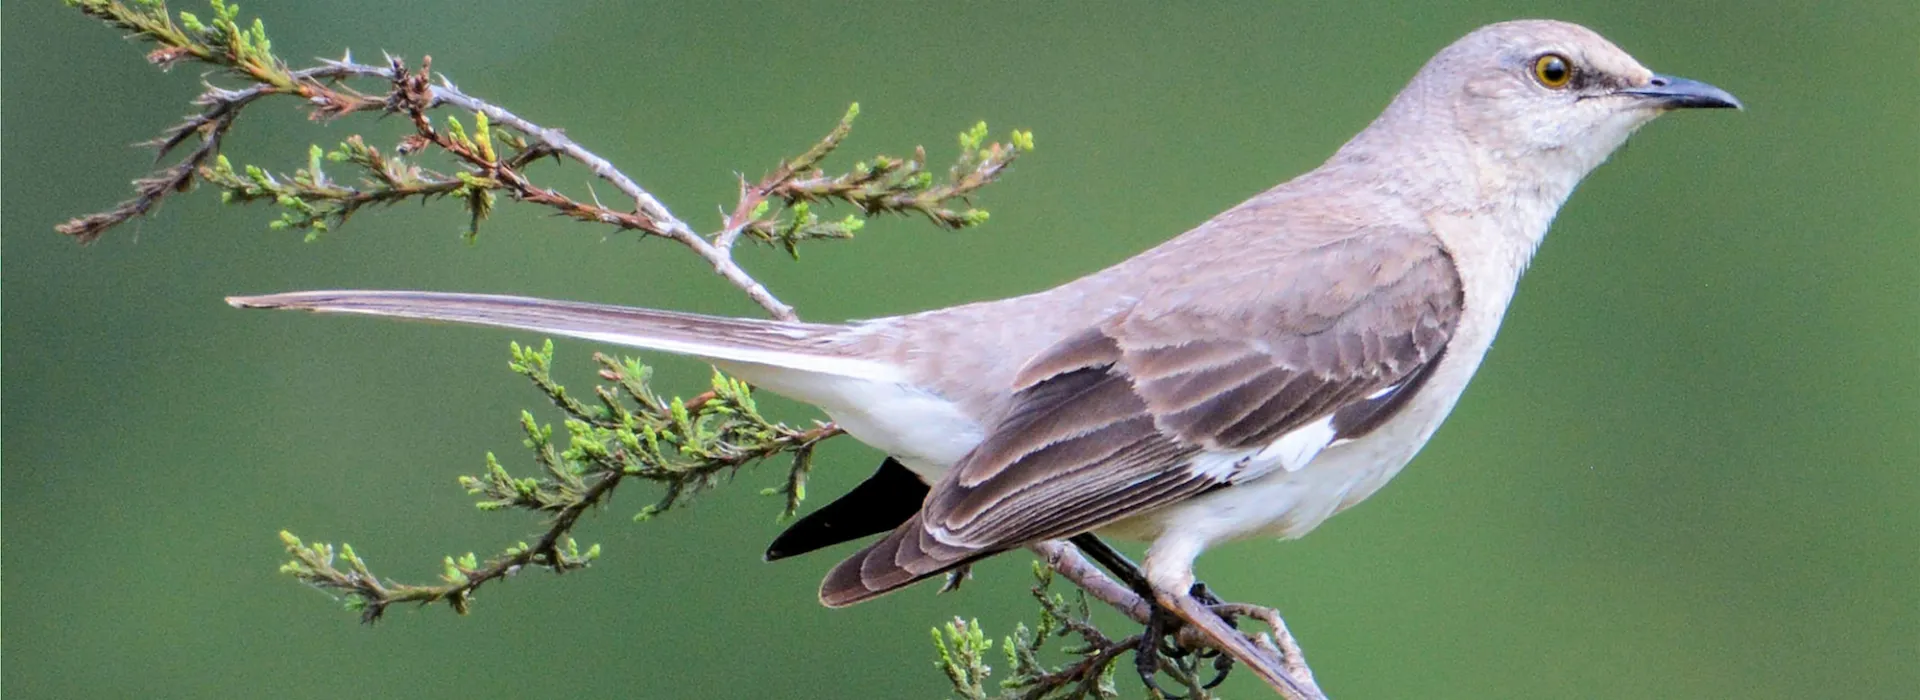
{"x":1264,"y":663}
{"x":1212,"y":619}
{"x":1114,"y":562}
{"x":1162,"y":626}
{"x":1222,"y":662}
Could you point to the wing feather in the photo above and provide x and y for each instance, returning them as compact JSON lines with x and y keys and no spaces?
{"x":1108,"y":422}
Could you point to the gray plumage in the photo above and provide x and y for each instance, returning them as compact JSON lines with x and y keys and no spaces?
{"x":1274,"y":365}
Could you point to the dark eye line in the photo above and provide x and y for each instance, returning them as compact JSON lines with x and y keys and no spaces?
{"x":1583,"y":89}
{"x":1585,"y":82}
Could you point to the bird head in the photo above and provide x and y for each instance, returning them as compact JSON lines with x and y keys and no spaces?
{"x":1553,"y":94}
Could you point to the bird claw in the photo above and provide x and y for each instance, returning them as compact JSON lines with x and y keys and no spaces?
{"x":1160,"y":639}
{"x":1202,"y":593}
{"x":1222,"y":665}
{"x":1146,"y":653}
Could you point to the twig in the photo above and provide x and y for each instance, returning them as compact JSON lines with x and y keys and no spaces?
{"x":668,"y":225}
{"x":631,"y":434}
{"x":1067,"y":561}
{"x":246,"y":52}
{"x":655,"y":218}
{"x":1280,"y":641}
{"x":894,"y":185}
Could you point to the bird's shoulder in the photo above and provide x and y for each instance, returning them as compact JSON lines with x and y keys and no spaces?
{"x":1295,"y":287}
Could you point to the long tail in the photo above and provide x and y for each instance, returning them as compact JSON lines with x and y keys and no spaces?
{"x":807,"y":347}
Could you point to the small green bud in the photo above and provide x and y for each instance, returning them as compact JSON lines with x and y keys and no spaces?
{"x":483,"y":135}
{"x":1023,"y":140}
{"x":972,"y":138}
{"x":456,"y":131}
{"x":260,"y":41}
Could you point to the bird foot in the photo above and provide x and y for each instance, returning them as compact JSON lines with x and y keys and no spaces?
{"x":1161,"y":639}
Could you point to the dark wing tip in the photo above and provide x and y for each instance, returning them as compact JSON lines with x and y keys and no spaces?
{"x":844,"y":586}
{"x":905,"y":556}
{"x":870,"y":572}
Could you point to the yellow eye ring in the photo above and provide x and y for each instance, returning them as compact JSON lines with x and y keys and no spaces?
{"x":1553,"y":70}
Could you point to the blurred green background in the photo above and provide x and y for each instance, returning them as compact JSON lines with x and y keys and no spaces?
{"x":1687,"y":469}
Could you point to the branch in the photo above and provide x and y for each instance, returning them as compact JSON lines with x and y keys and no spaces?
{"x":891,"y":186}
{"x":629,"y":432}
{"x":963,"y":646}
{"x":1288,"y":658}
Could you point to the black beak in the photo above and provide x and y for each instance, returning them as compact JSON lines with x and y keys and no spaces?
{"x":1668,"y":92}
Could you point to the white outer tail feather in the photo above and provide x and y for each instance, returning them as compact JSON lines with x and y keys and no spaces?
{"x":875,"y":402}
{"x":732,"y":340}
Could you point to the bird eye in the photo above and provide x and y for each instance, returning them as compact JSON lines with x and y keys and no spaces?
{"x":1553,"y":70}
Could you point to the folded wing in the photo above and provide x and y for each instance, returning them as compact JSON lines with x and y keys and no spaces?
{"x":1216,"y":381}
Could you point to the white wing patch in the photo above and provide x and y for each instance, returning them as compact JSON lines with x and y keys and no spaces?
{"x":1295,"y":449}
{"x":1291,"y":452}
{"x":1219,"y":465}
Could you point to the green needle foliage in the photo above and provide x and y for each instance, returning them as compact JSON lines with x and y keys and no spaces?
{"x":964,"y":651}
{"x":624,"y":432}
{"x":487,"y":160}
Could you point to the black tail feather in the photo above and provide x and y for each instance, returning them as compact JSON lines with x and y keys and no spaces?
{"x":879,"y":504}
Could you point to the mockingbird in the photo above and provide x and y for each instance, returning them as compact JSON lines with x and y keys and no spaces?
{"x":1250,"y":377}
